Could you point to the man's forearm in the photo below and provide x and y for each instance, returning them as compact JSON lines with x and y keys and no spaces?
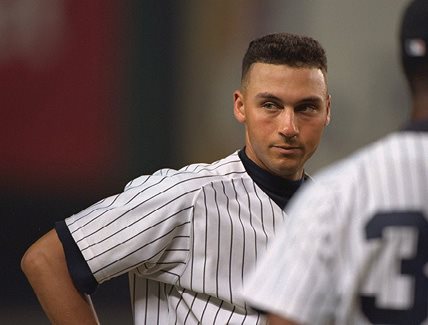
{"x":45,"y":267}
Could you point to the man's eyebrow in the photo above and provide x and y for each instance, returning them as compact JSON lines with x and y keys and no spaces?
{"x":311,"y":99}
{"x":266,"y":95}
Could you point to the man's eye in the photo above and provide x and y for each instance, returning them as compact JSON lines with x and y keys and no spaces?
{"x":270,"y":105}
{"x":307,"y":108}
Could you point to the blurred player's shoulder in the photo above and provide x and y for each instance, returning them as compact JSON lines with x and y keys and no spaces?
{"x":347,"y":168}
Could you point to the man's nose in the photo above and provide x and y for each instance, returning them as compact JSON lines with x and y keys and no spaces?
{"x":288,"y":125}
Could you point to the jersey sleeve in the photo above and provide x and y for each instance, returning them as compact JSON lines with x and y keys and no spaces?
{"x":79,"y":270}
{"x":295,"y":279}
{"x":146,"y":229}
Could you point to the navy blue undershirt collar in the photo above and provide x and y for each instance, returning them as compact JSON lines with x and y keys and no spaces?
{"x":280,"y":190}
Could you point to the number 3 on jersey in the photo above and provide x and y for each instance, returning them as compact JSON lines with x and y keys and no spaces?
{"x":413,"y":267}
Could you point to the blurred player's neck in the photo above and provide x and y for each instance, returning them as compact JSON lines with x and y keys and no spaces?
{"x":420,"y":105}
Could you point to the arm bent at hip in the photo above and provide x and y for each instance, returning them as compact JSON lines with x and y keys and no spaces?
{"x":45,"y":267}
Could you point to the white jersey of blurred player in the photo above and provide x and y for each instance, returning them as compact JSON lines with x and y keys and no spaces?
{"x":358,"y":239}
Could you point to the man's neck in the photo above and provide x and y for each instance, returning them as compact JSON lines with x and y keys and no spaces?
{"x":280,"y":190}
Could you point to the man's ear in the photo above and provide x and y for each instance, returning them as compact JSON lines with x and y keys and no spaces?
{"x":327,"y":119}
{"x":238,"y":106}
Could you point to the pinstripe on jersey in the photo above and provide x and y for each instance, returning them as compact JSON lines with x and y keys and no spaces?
{"x":188,"y":239}
{"x":359,"y":241}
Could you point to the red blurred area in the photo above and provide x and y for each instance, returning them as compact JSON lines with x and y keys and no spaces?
{"x":59,"y":89}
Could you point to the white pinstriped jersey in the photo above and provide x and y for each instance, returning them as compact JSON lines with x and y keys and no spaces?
{"x":354,"y":249}
{"x":188,"y":239}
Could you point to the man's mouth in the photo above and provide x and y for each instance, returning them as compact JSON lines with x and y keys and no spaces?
{"x":287,"y":149}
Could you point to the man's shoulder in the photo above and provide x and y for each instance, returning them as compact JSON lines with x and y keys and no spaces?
{"x":229,"y":165}
{"x":198,"y":173}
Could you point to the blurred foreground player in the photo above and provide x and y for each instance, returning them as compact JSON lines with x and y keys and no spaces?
{"x":188,"y":238}
{"x":355,"y":248}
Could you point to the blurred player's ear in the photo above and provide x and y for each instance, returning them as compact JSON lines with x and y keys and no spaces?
{"x":327,"y":119}
{"x":238,"y":106}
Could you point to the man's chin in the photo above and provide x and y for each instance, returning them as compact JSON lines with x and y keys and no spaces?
{"x":292,"y":172}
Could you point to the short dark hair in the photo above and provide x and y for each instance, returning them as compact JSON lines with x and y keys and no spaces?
{"x":285,"y":48}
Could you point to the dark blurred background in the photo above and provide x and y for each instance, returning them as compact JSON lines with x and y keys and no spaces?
{"x":95,"y":93}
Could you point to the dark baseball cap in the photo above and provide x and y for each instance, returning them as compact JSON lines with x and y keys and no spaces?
{"x":414,"y":31}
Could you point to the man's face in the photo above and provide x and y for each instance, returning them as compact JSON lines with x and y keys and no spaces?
{"x":284,"y":111}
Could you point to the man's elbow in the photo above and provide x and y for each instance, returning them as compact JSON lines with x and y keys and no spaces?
{"x":43,"y":256}
{"x":34,"y":261}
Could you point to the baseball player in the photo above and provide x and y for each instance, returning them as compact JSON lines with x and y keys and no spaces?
{"x":189,"y":237}
{"x":355,"y":247}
